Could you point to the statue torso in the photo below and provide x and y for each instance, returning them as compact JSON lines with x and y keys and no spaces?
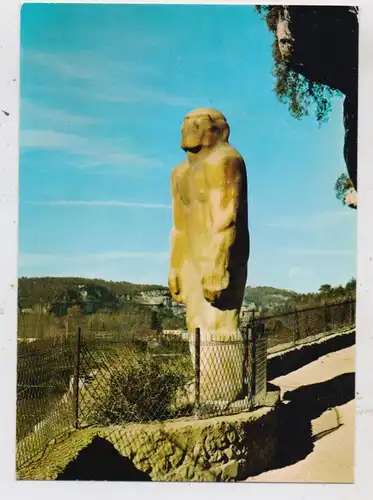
{"x":192,"y":178}
{"x":194,"y":190}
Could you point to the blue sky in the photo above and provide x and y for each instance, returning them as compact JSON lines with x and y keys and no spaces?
{"x":104,"y":89}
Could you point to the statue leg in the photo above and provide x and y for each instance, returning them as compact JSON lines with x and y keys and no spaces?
{"x":222,"y":351}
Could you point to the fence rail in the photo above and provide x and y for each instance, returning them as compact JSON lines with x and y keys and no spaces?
{"x":84,"y":380}
{"x":296,"y":326}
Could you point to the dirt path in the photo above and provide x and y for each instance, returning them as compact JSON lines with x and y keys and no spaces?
{"x":326,"y":383}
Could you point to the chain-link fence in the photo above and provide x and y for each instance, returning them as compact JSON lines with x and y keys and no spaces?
{"x":100,"y":380}
{"x":44,"y":398}
{"x":123,"y":381}
{"x":297,"y":326}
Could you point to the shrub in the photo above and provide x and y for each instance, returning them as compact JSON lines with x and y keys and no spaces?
{"x":143,"y":388}
{"x":38,"y":324}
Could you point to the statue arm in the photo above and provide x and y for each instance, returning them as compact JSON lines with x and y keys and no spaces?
{"x":177,"y":256}
{"x":225,"y":182}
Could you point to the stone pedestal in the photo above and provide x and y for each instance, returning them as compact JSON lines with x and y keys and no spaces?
{"x":221,"y":371}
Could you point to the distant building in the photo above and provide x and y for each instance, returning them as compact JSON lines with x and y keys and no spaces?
{"x":28,"y":310}
{"x":177,"y":332}
{"x":183,"y":334}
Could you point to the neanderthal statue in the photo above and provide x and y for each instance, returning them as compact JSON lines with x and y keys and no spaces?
{"x":210,"y":245}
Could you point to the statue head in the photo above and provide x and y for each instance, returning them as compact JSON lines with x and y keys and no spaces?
{"x":203,"y":128}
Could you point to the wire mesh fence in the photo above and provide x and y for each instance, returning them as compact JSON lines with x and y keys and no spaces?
{"x":114,"y":379}
{"x":123,"y":382}
{"x":297,"y":326}
{"x":44,"y":398}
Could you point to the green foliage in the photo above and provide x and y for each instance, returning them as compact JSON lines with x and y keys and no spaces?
{"x":299,"y":93}
{"x":351,"y":287}
{"x":44,"y":368}
{"x":269,"y":298}
{"x":156,"y":323}
{"x":38,"y":324}
{"x":144,"y":388}
{"x":112,"y":313}
{"x":269,"y":13}
{"x":128,"y":320}
{"x":291,"y":88}
{"x":47,"y":290}
{"x":171,"y":322}
{"x":325,"y":288}
{"x":137,"y":320}
{"x":342,"y":185}
{"x":327,"y":294}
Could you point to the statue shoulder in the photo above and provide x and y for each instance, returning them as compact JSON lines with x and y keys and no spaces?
{"x":177,"y":173}
{"x":225,"y":162}
{"x":231,"y":152}
{"x":179,"y":170}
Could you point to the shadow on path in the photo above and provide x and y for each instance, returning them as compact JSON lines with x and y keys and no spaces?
{"x":305,"y":404}
{"x":101,"y":461}
{"x":294,"y":359}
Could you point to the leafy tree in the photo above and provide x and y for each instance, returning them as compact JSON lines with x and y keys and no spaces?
{"x":339,"y":291}
{"x":156,"y":323}
{"x":51,"y":289}
{"x":351,"y":286}
{"x":325,"y":288}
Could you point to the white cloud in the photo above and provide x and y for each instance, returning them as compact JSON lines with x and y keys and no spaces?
{"x":100,"y":203}
{"x":37,"y":259}
{"x":120,"y":80}
{"x":89,"y":153}
{"x":91,"y":65}
{"x":58,"y":63}
{"x":129,"y":94}
{"x":48,"y":139}
{"x":32,"y":112}
{"x":103,"y":155}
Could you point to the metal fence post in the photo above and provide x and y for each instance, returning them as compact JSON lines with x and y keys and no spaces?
{"x":296,"y":326}
{"x":252,"y":344}
{"x":326,"y":318}
{"x":197,"y":366}
{"x":76,"y":377}
{"x":246,"y":362}
{"x":351,"y":313}
{"x":249,"y":366}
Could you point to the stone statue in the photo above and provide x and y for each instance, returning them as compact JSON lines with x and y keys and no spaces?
{"x":210,"y":247}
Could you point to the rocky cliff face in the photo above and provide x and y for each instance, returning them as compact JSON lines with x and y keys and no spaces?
{"x":321,"y":44}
